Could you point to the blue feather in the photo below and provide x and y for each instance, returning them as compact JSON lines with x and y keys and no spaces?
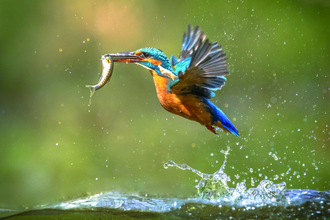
{"x":174,"y":60}
{"x":218,"y":115}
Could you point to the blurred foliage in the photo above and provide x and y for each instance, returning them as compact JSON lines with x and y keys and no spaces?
{"x":54,"y":146}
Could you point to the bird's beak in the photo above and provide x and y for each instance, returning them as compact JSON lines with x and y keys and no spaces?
{"x":130,"y":57}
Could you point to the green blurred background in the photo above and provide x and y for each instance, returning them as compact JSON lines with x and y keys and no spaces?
{"x":55,"y":147}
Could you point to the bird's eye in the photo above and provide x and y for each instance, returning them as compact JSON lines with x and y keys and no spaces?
{"x":146,"y":54}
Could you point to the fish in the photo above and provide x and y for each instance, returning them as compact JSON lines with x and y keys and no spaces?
{"x":107,"y":69}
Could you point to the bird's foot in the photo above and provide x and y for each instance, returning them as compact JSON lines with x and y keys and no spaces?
{"x":211,"y":128}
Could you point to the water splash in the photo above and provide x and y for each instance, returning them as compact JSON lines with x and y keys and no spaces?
{"x":299,"y":204}
{"x":216,"y":201}
{"x":211,"y":186}
{"x":215,"y":187}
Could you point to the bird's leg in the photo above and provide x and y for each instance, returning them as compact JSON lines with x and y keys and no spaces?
{"x":211,"y":128}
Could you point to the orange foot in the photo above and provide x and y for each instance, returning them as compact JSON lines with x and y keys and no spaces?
{"x":211,"y":128}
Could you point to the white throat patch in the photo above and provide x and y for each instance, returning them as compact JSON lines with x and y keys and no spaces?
{"x":167,"y":72}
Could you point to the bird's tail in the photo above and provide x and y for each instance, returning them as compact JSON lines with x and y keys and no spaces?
{"x":218,"y":115}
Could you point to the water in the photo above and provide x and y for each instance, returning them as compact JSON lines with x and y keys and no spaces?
{"x":296,"y":203}
{"x":215,"y":187}
{"x":215,"y":200}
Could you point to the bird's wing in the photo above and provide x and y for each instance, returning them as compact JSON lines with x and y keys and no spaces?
{"x":206,"y":66}
{"x":190,"y":42}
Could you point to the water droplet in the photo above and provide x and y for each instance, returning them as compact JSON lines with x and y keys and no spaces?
{"x":273,"y":99}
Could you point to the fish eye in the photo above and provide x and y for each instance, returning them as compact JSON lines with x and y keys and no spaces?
{"x":146,"y":54}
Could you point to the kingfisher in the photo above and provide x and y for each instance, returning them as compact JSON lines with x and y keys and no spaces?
{"x":185,"y":84}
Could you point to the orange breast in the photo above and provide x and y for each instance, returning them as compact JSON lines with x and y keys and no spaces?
{"x":187,"y":106}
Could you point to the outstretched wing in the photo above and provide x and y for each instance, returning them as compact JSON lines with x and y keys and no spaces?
{"x":201,"y":67}
{"x":190,"y":42}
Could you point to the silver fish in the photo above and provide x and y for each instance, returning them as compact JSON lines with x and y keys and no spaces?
{"x":107,"y":69}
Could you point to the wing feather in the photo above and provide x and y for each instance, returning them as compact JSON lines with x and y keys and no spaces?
{"x":191,"y":40}
{"x":207,"y":68}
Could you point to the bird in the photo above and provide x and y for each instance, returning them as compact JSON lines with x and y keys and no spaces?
{"x":185,"y":84}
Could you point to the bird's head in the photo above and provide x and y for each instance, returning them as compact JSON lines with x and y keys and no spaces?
{"x":148,"y":57}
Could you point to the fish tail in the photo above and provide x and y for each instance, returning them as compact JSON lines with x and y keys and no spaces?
{"x":92,"y":90}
